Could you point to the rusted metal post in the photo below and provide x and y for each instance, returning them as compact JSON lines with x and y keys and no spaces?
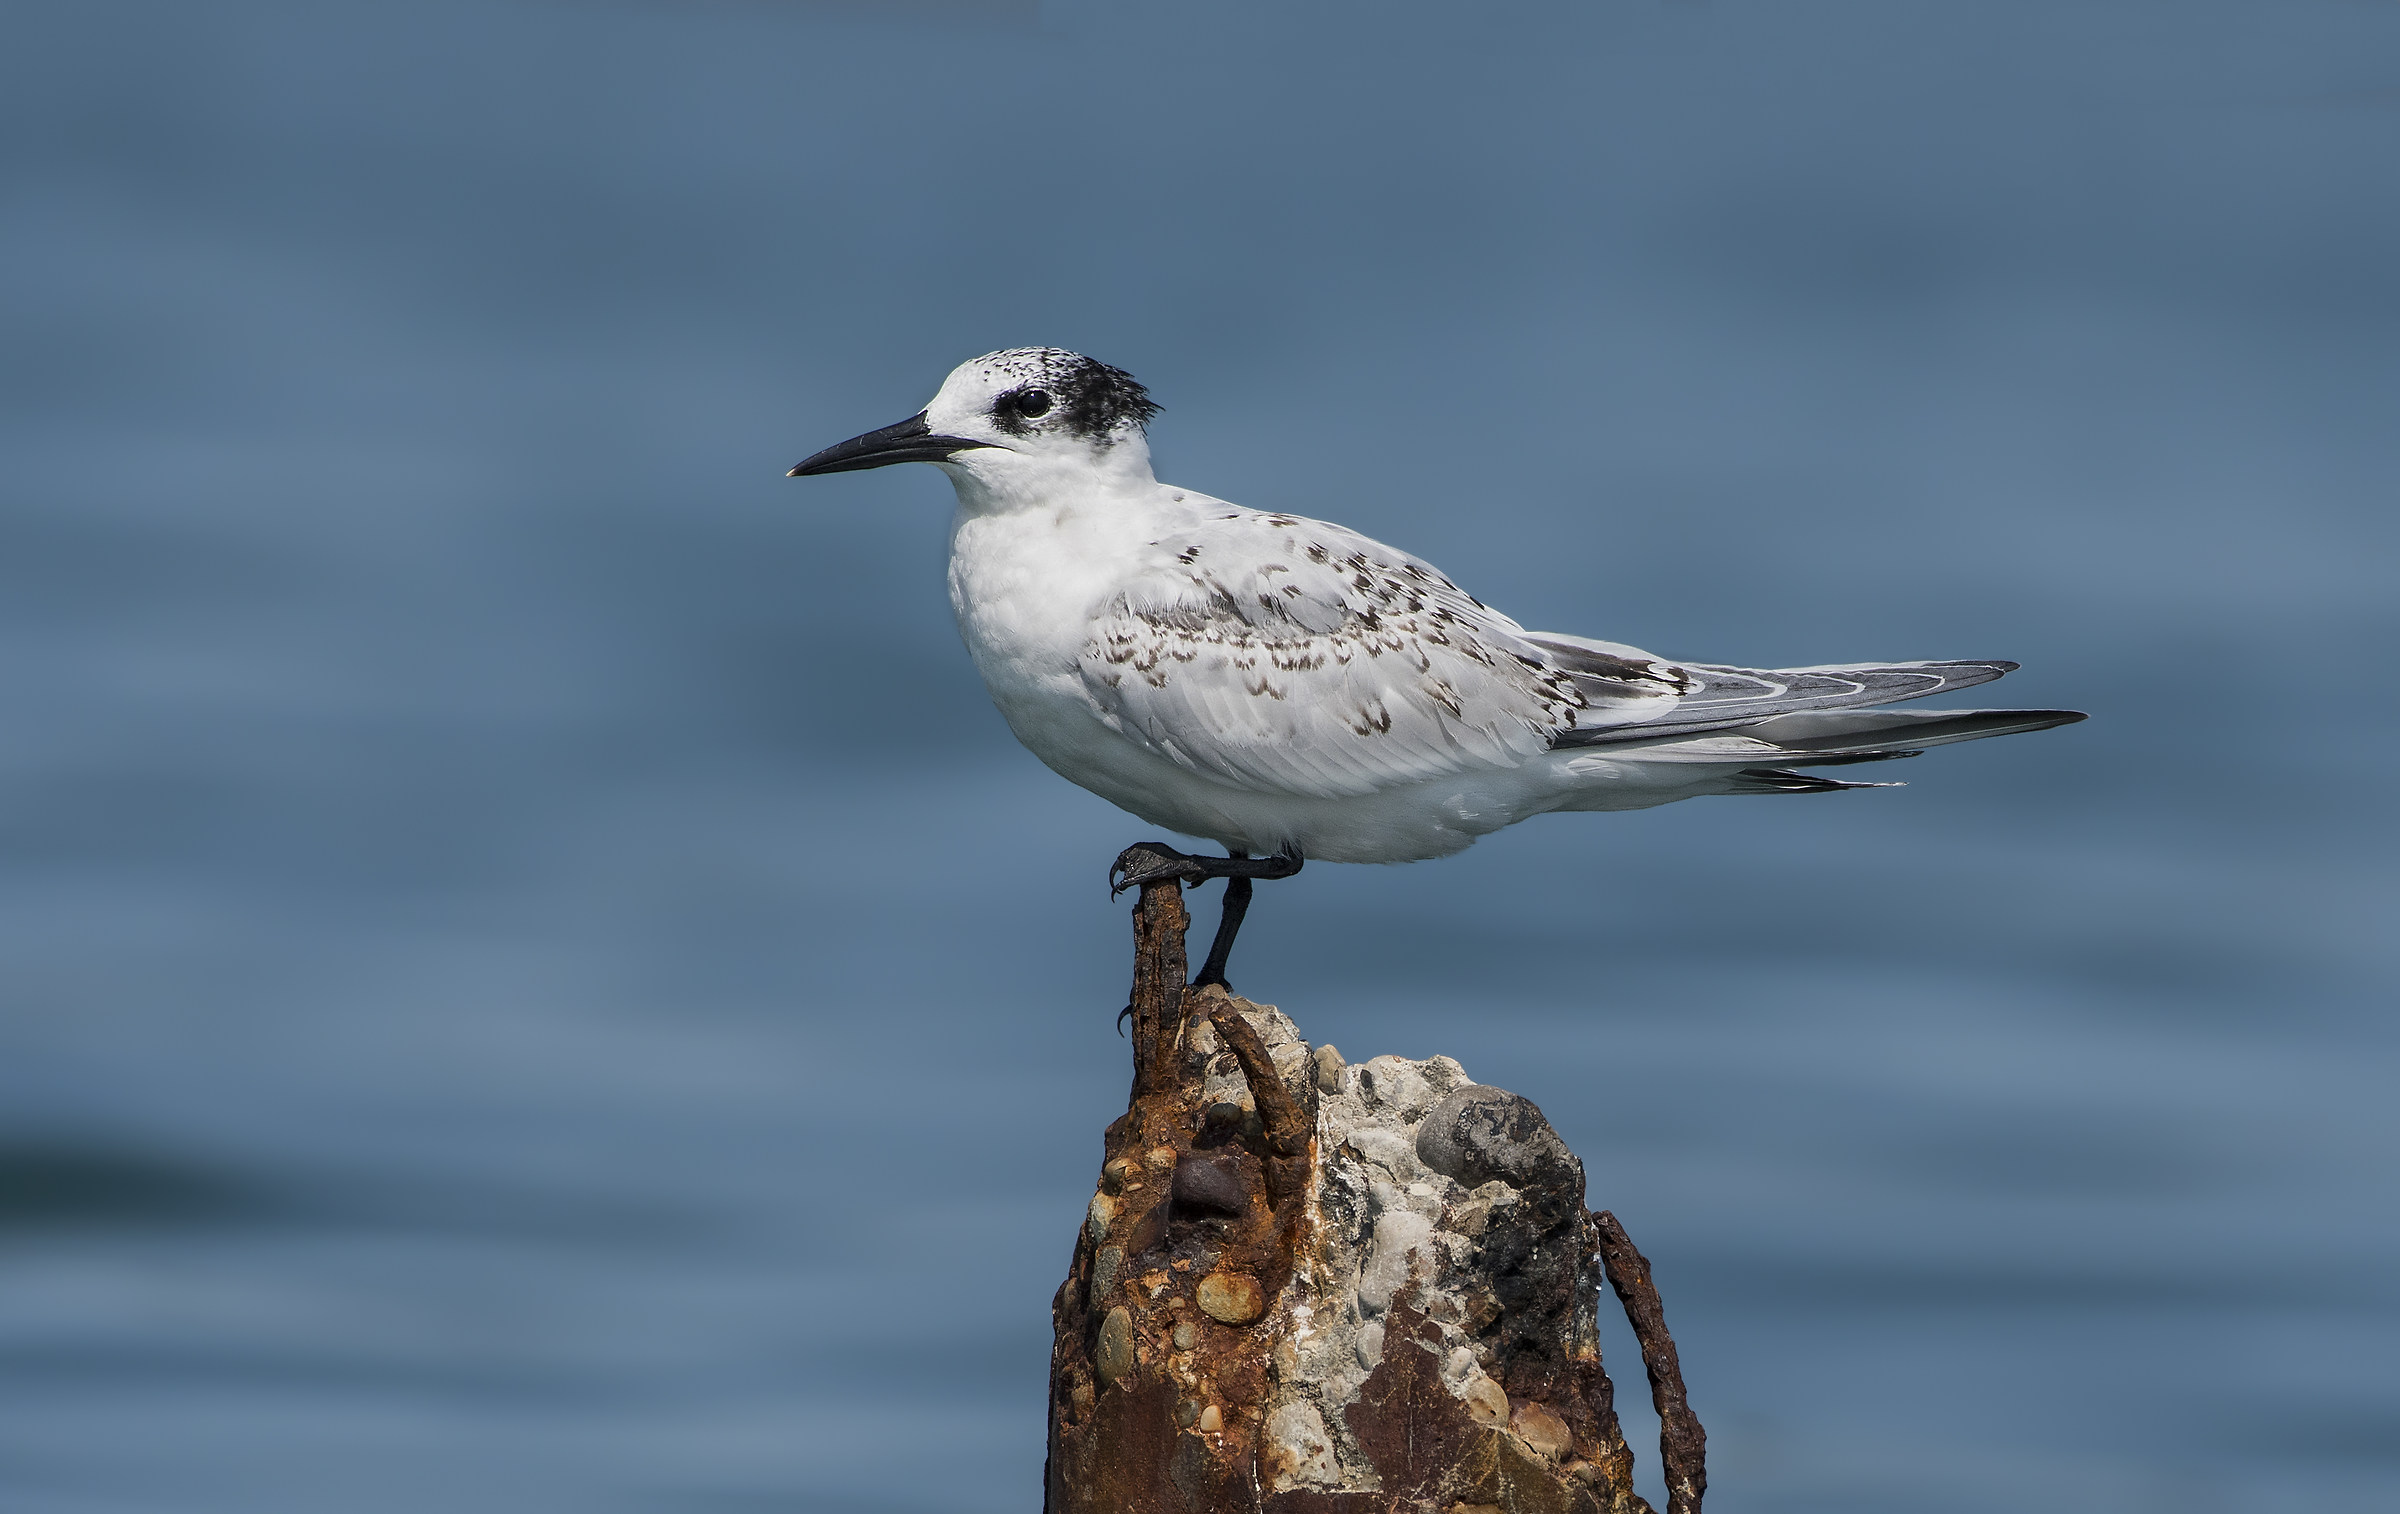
{"x":1308,"y":1288}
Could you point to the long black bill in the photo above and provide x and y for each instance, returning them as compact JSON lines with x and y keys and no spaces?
{"x":912,"y":441}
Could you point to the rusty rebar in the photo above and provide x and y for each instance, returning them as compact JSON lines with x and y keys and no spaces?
{"x":1288,"y":1125}
{"x":1682,"y":1443}
{"x":1159,"y":923}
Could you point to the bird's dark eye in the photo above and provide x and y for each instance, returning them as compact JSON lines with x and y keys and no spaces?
{"x":1031,"y":402}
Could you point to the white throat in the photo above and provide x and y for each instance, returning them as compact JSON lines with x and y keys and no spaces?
{"x":998,"y":480}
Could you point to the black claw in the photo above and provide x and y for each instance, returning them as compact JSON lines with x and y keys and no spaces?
{"x":1122,"y":1016}
{"x":1150,"y":862}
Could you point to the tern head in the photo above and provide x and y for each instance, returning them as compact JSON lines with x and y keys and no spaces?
{"x":1018,"y":423}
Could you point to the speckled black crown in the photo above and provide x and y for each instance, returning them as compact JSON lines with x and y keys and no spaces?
{"x":1094,"y":400}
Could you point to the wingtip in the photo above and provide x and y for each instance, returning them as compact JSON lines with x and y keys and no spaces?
{"x":2046,"y":720}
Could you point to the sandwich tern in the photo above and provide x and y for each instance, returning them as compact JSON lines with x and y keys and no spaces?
{"x":1292,"y":690}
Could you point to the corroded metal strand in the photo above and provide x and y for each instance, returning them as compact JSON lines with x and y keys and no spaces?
{"x":1159,"y":924}
{"x":1287,"y":1122}
{"x":1682,"y":1443}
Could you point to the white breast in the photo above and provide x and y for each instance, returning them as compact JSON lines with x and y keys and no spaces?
{"x":1026,"y":585}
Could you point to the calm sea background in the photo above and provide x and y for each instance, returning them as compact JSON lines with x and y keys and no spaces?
{"x":535,"y":979}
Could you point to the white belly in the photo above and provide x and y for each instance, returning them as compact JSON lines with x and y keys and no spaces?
{"x":1400,"y":824}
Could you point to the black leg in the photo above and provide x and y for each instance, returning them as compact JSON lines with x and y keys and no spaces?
{"x":1151,"y":860}
{"x":1229,"y":925}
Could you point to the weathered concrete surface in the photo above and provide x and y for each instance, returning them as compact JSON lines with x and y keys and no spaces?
{"x":1314,"y":1287}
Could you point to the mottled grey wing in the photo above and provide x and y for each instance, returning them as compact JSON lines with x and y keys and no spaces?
{"x":1278,"y":653}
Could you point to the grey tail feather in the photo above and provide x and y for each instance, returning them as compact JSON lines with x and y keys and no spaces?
{"x":1824,"y":738}
{"x":1721,"y":697}
{"x":1785,"y":781}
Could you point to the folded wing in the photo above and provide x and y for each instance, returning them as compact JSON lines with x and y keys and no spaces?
{"x":1276,"y":652}
{"x":1293,"y":655}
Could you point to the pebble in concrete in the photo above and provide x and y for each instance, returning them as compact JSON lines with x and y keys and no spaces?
{"x":1539,"y":1428}
{"x":1395,"y":1084}
{"x":1104,"y":1272}
{"x":1370,"y":1344}
{"x":1211,"y":1186}
{"x":1480,"y":1133}
{"x":1232,"y":1298}
{"x":1115,"y":1356}
{"x":1391,"y":1260}
{"x":1486,"y":1403}
{"x":1329,"y":1065}
{"x":1298,"y":1449}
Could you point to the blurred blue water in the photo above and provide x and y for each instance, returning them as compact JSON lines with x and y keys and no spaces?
{"x":535,"y":980}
